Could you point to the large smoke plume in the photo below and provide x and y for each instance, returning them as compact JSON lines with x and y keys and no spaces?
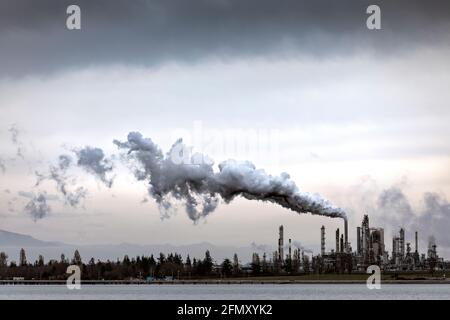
{"x":194,"y":183}
{"x":200,"y":188}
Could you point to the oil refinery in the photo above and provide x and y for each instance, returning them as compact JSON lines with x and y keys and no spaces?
{"x":370,"y":250}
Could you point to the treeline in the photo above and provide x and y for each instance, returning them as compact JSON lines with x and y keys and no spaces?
{"x":140,"y":267}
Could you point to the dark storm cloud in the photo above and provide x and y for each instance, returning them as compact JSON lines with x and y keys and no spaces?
{"x":33,"y":36}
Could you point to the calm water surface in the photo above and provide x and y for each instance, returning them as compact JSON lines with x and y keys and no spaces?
{"x":224,"y":292}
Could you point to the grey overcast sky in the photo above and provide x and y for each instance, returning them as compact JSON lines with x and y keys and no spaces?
{"x":150,"y":33}
{"x":359,"y":116}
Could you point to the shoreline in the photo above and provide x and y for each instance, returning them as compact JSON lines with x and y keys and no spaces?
{"x":214,"y":282}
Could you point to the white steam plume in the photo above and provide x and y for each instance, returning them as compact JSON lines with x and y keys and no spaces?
{"x":2,"y":166}
{"x":393,"y":207}
{"x":91,"y":160}
{"x":261,"y":247}
{"x":200,"y":187}
{"x":299,"y":246}
{"x":58,"y":174}
{"x":15,"y":140}
{"x":37,"y":207}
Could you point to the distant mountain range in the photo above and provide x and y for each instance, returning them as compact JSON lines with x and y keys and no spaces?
{"x":11,"y":243}
{"x":16,"y":239}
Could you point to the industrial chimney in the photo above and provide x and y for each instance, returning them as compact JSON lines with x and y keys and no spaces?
{"x":290,"y":252}
{"x":280,"y":245}
{"x":358,"y":240}
{"x":345,"y":235}
{"x":337,"y":240}
{"x":402,"y":243}
{"x":417,"y":243}
{"x":322,"y":241}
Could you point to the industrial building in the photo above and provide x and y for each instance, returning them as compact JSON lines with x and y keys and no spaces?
{"x":370,"y":250}
{"x":296,"y":260}
{"x":337,"y":260}
{"x":370,"y":245}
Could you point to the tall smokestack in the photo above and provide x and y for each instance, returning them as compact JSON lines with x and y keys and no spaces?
{"x":322,"y":240}
{"x":365,"y":239}
{"x":281,"y":245}
{"x":345,"y":235}
{"x":358,"y":240}
{"x":342,"y":243}
{"x":417,"y":243}
{"x":337,"y":240}
{"x":402,"y":243}
{"x":290,"y":252}
{"x":394,"y":249}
